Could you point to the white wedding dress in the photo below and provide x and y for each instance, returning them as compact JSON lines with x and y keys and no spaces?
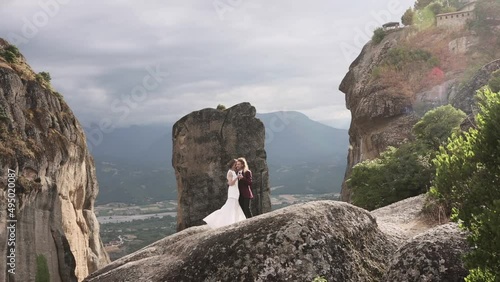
{"x":231,"y":211}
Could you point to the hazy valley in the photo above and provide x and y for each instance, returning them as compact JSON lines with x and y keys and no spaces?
{"x":134,"y":164}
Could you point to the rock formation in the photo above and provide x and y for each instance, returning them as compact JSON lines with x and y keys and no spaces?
{"x":381,"y":115}
{"x":426,"y":252}
{"x":298,"y":243}
{"x":203,"y":143}
{"x":433,"y":256}
{"x":463,"y":98}
{"x":55,"y":186}
{"x":332,"y":239}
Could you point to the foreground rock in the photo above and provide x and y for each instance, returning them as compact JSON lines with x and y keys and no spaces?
{"x":203,"y":143}
{"x":403,"y":220}
{"x":298,"y":243}
{"x":432,"y":256}
{"x":426,"y":251}
{"x":42,"y":143}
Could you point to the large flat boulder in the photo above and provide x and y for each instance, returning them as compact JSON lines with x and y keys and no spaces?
{"x":298,"y":243}
{"x":435,"y":255}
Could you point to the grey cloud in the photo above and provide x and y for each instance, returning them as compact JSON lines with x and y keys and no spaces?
{"x":97,"y":52}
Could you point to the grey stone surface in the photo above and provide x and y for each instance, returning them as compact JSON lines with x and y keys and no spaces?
{"x":432,"y":256}
{"x":298,"y":243}
{"x":383,"y":115}
{"x":464,"y":97}
{"x":203,"y":143}
{"x":41,"y":140}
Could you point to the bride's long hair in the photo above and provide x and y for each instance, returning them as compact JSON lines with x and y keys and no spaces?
{"x":231,"y":163}
{"x":245,"y":165}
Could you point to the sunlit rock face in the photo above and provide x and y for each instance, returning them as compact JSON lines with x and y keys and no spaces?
{"x":384,"y":111}
{"x":43,"y":143}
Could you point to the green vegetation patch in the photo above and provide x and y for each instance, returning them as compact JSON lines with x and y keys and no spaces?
{"x":42,"y":269}
{"x":10,"y":54}
{"x":467,"y":185}
{"x":378,"y":35}
{"x":407,"y":171}
{"x":424,"y":19}
{"x":401,"y":57}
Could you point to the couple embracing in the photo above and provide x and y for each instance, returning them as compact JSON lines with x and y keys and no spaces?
{"x":239,"y":194}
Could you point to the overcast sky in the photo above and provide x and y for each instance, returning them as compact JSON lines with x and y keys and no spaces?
{"x":140,"y":62}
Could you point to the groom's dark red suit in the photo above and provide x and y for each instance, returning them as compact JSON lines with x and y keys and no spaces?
{"x":245,"y":187}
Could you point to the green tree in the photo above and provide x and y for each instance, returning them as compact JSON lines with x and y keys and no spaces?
{"x":13,"y":49}
{"x":437,"y":125}
{"x":9,"y":57}
{"x":407,"y":18}
{"x":467,"y":181}
{"x":436,"y":7}
{"x":407,"y":171}
{"x":221,"y":107}
{"x":378,"y":35}
{"x":10,"y":54}
{"x":45,"y":76}
{"x":424,"y":19}
{"x":420,"y":4}
{"x":397,"y":174}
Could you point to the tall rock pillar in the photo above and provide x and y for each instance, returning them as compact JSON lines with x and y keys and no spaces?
{"x":203,"y":143}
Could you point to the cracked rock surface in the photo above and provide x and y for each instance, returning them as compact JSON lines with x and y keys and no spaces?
{"x":298,"y":243}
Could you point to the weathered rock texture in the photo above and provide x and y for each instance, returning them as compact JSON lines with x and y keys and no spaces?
{"x":434,"y":256}
{"x":56,"y":186}
{"x":426,"y":251}
{"x":403,"y":220}
{"x":380,"y":117}
{"x":463,"y":98}
{"x":381,"y":114}
{"x":203,"y":143}
{"x":298,"y":243}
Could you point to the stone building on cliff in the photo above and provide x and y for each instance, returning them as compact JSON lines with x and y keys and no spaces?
{"x":457,"y":19}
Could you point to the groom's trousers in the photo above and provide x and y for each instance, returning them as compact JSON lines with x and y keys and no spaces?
{"x":245,"y":206}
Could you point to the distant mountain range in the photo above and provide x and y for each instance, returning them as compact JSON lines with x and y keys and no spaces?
{"x":293,"y":138}
{"x":134,"y":164}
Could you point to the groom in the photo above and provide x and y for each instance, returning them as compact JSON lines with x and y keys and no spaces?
{"x":245,"y":186}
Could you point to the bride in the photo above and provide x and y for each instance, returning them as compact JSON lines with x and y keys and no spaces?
{"x":231,"y":211}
